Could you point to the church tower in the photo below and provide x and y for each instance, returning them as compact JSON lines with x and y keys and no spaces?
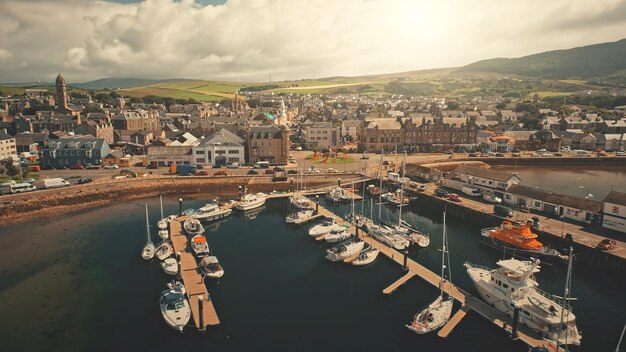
{"x":61,"y":93}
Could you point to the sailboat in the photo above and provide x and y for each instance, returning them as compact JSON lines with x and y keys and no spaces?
{"x":436,"y":314}
{"x":148,"y":250}
{"x":162,"y":224}
{"x":367,"y":256}
{"x":164,"y":250}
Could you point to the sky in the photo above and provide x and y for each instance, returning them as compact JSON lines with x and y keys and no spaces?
{"x":247,"y":40}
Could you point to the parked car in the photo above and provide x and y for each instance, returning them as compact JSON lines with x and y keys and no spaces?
{"x":202,"y":173}
{"x":29,"y":180}
{"x":515,"y":150}
{"x":558,"y":154}
{"x":606,"y":244}
{"x":152,"y":166}
{"x":84,"y":180}
{"x":499,"y":155}
{"x":111,"y":166}
{"x":515,"y":155}
{"x":269,"y":172}
{"x":565,"y":148}
{"x":385,"y":162}
{"x":454,"y":197}
{"x":312,"y":171}
{"x":278,"y":169}
{"x":503,"y":211}
{"x":90,"y":166}
{"x":77,"y":167}
{"x":252,"y":172}
{"x":492,"y":199}
{"x":449,"y":152}
{"x":292,"y":172}
{"x":440,"y":192}
{"x":330,"y":170}
{"x":232,"y":165}
{"x":421,"y":188}
{"x":220,"y":173}
{"x":541,"y":150}
{"x":620,"y":153}
{"x":546,"y":154}
{"x":472,"y":155}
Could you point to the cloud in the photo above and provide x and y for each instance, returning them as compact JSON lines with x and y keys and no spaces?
{"x":246,"y":40}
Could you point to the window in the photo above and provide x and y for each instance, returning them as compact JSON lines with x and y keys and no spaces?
{"x":199,"y":160}
{"x":200,"y":151}
{"x":220,"y":152}
{"x":537,"y":203}
{"x":233,"y":151}
{"x":508,"y":196}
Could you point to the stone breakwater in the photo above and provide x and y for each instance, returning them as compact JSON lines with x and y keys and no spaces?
{"x":20,"y":207}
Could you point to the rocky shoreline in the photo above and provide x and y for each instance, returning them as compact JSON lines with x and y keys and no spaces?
{"x":20,"y":207}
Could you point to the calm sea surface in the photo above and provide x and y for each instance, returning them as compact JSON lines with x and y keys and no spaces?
{"x":76,"y":282}
{"x":576,"y":181}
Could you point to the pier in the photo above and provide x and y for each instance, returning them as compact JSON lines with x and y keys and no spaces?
{"x":202,"y":308}
{"x":467,"y":301}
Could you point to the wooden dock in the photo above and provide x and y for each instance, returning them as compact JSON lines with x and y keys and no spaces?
{"x":467,"y":301}
{"x":202,"y":308}
{"x":456,"y":319}
{"x":401,"y":281}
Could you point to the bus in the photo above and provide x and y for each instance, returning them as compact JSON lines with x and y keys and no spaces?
{"x":262,"y":165}
{"x":17,"y":188}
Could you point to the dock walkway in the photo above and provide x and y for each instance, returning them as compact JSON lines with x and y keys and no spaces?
{"x":202,"y":308}
{"x":401,"y":281}
{"x":467,"y":301}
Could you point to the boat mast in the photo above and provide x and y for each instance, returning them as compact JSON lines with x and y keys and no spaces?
{"x":380,"y":188}
{"x":402,"y":191}
{"x":444,"y":248}
{"x":161,"y":201}
{"x":147,"y":227}
{"x":566,"y":298}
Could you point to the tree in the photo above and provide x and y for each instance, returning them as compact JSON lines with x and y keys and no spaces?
{"x":501,"y":106}
{"x":453,"y":105}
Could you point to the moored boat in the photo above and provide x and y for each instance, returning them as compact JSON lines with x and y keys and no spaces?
{"x":175,"y":308}
{"x":323,"y":228}
{"x":164,"y":250}
{"x":344,"y":249}
{"x":367,"y":256}
{"x":301,"y":202}
{"x":518,"y":239}
{"x":148,"y":250}
{"x":199,"y":245}
{"x":338,"y":234}
{"x":210,"y":267}
{"x":170,"y":266}
{"x":212,"y":212}
{"x":251,"y":201}
{"x":192,"y":227}
{"x":299,"y":216}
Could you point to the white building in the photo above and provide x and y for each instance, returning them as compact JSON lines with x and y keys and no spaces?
{"x":8,"y":148}
{"x":489,"y":182}
{"x":221,"y":148}
{"x":350,"y":129}
{"x":614,"y":211}
{"x":321,"y":135}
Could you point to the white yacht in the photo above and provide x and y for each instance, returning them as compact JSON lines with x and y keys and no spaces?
{"x":513,"y":284}
{"x":251,"y":201}
{"x":170,"y":266}
{"x":344,"y":250}
{"x":199,"y":245}
{"x":387,"y":237}
{"x":148,"y":250}
{"x":193,"y":227}
{"x":334,"y":193}
{"x":367,"y":256}
{"x":323,"y":228}
{"x":436,"y":314}
{"x":299,"y":216}
{"x":338,"y":234}
{"x":175,"y":307}
{"x":164,"y":250}
{"x":301,"y":202}
{"x":212,"y":211}
{"x":211,"y":267}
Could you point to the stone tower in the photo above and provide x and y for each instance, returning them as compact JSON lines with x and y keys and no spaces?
{"x":61,"y":91}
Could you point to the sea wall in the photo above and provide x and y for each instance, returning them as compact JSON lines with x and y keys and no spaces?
{"x":552,"y":161}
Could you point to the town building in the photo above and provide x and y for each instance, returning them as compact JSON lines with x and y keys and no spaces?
{"x":8,"y":148}
{"x":134,"y":120}
{"x":350,"y":130}
{"x":66,"y":152}
{"x":321,"y":136}
{"x":168,"y":155}
{"x":436,"y":133}
{"x":221,"y":148}
{"x":98,"y":130}
{"x":380,"y":134}
{"x":488,"y":181}
{"x":614,"y":211}
{"x":268,"y":143}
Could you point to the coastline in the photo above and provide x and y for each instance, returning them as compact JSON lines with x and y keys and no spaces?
{"x":21,"y":207}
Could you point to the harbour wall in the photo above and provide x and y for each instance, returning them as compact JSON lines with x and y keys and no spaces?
{"x":552,"y":161}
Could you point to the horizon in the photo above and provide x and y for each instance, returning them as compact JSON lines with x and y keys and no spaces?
{"x":245,"y":41}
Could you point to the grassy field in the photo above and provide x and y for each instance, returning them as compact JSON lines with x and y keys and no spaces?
{"x":549,"y":94}
{"x":7,"y":90}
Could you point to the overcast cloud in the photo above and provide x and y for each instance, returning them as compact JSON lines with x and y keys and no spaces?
{"x":245,"y":40}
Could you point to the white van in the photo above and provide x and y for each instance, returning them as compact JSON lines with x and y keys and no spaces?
{"x":55,"y":183}
{"x":580,"y":152}
{"x":474,"y":192}
{"x":393,"y":177}
{"x":262,"y":165}
{"x":17,"y":188}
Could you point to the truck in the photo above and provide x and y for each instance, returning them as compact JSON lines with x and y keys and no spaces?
{"x":55,"y":183}
{"x":470,"y":191}
{"x":393,"y":177}
{"x":186,"y":170}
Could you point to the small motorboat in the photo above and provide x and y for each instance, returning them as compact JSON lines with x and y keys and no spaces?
{"x":193,"y":227}
{"x":170,"y":266}
{"x":338,"y":234}
{"x":367,"y":256}
{"x":212,"y":212}
{"x":199,"y":245}
{"x":175,"y":307}
{"x":344,"y":250}
{"x":323,"y":228}
{"x":299,"y":216}
{"x":164,"y":234}
{"x":211,"y":267}
{"x":164,"y":250}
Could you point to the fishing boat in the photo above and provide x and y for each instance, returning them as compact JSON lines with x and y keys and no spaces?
{"x":164,"y":250}
{"x":338,"y":234}
{"x":193,"y":227}
{"x":520,"y":240}
{"x":323,"y":228}
{"x":436,"y":314}
{"x":148,"y":250}
{"x":175,"y":307}
{"x":251,"y":201}
{"x":299,"y":216}
{"x":344,"y":250}
{"x":170,"y":266}
{"x":210,"y":267}
{"x":301,"y":202}
{"x":212,"y":212}
{"x":367,"y":256}
{"x":199,"y":245}
{"x":513,"y":285}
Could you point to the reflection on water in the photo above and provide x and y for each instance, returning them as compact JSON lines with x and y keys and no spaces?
{"x":78,"y":283}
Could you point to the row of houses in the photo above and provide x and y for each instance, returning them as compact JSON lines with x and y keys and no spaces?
{"x":609,"y":213}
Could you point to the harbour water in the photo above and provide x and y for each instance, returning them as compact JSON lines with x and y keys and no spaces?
{"x":576,"y":181}
{"x":77,"y":282}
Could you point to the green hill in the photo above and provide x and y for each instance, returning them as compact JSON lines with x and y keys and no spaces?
{"x":117,"y":83}
{"x":598,"y":62}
